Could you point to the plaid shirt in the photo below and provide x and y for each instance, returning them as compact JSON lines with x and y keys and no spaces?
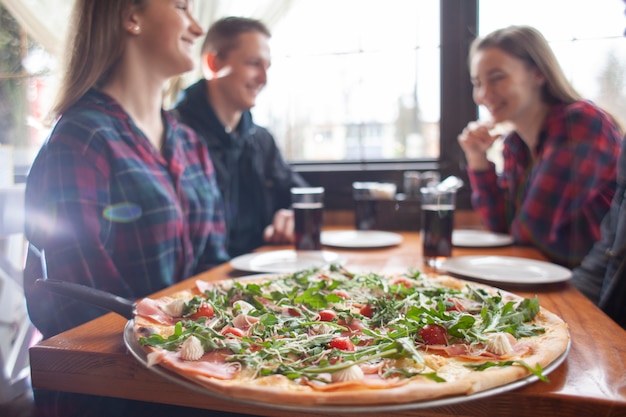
{"x":113,"y":213}
{"x":556,"y":200}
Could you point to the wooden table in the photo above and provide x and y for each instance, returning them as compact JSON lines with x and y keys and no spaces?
{"x":92,"y":358}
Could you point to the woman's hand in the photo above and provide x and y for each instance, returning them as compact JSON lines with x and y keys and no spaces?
{"x":475,"y":140}
{"x":281,"y":229}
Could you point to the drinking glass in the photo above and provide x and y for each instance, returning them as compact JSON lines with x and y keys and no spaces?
{"x":366,"y":196}
{"x":437,"y":207}
{"x":429,"y":178}
{"x":411,"y":185}
{"x":308,"y":211}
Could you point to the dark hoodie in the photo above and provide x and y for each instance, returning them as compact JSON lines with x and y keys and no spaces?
{"x":253,"y":177}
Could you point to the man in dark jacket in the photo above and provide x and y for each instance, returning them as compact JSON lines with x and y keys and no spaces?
{"x":253,"y":177}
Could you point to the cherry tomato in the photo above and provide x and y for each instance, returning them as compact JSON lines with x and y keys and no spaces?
{"x":433,"y":334}
{"x":233,"y":330}
{"x":205,"y":310}
{"x":367,"y":310}
{"x":294,"y":312}
{"x":342,"y":343}
{"x":327,"y":315}
{"x":354,"y":325}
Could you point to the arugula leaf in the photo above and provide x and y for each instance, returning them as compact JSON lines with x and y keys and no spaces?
{"x":313,"y":298}
{"x":408,"y":348}
{"x":342,"y":270}
{"x":529,"y":307}
{"x":413,"y":273}
{"x":191,"y":306}
{"x":510,"y":319}
{"x":461,"y":326}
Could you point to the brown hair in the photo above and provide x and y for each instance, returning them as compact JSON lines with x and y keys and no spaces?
{"x":528,"y":45}
{"x":221,"y":38}
{"x":95,"y":43}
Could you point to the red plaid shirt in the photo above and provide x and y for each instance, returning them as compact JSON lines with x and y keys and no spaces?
{"x":557,"y":202}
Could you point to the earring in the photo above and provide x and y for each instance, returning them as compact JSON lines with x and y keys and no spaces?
{"x":134,"y":28}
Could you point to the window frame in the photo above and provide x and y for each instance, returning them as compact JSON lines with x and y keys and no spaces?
{"x":459,"y":26}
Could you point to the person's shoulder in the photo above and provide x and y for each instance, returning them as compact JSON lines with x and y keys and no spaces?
{"x":584,"y":119}
{"x":262,"y":132}
{"x":191,"y":97}
{"x":585,"y":113}
{"x":93,"y":111}
{"x":264,"y":140}
{"x":259,"y":132}
{"x":90,"y":121}
{"x":584,"y":109}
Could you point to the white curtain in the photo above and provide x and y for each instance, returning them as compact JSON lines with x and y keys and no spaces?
{"x":44,"y":20}
{"x":268,"y":11}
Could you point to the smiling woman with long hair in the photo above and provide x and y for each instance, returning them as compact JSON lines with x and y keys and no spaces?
{"x":121,"y":197}
{"x":559,"y":159}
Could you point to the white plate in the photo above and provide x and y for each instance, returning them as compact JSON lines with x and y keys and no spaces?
{"x":284,"y":261}
{"x":479,"y":238}
{"x":506,"y":269}
{"x":360,"y":238}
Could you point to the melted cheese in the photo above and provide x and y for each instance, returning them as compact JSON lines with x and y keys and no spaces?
{"x":453,"y":371}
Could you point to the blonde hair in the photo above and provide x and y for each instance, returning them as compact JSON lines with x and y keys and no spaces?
{"x":528,"y":45}
{"x":95,"y":44}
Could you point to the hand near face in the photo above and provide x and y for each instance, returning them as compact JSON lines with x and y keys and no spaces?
{"x":281,"y":230}
{"x":475,"y":140}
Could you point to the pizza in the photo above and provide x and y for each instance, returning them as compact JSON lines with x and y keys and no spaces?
{"x":333,"y":337}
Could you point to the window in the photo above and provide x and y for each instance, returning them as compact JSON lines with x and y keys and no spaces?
{"x":13,"y":84}
{"x":366,"y":88}
{"x":588,"y":42}
{"x":26,"y":87}
{"x":356,"y":87}
{"x":363,"y":77}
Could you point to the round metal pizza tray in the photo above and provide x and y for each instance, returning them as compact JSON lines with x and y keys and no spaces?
{"x":138,"y":352}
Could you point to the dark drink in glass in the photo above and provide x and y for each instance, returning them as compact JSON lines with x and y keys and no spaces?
{"x":307,"y":204}
{"x":438,"y":201}
{"x":365,"y":214}
{"x":308,"y":218}
{"x":367,"y":196}
{"x":437,"y":224}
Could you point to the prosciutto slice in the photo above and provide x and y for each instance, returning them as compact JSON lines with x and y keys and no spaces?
{"x":211,"y":364}
{"x":153,"y":310}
